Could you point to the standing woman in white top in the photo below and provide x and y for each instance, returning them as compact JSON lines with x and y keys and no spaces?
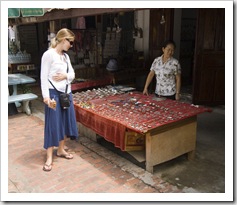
{"x":168,"y":73}
{"x":59,"y":123}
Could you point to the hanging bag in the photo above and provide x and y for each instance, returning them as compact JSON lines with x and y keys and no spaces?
{"x":64,"y":99}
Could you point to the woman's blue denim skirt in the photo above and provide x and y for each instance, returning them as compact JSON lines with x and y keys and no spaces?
{"x":59,"y":122}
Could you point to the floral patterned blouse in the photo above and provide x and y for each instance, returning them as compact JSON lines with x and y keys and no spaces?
{"x":165,"y":75}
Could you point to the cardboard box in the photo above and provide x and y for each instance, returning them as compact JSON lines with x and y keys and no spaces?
{"x":134,"y":141}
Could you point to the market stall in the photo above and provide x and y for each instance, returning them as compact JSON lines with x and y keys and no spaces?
{"x":164,"y":128}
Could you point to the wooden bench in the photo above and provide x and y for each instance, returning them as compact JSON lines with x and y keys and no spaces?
{"x":25,"y":98}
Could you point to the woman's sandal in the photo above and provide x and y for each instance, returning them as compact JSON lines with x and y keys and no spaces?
{"x":66,"y":156}
{"x":47,"y":167}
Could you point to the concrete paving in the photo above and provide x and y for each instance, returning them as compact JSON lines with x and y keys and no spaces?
{"x":97,"y":169}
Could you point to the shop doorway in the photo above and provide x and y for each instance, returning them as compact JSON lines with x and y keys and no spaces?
{"x":187,"y":45}
{"x":200,"y":39}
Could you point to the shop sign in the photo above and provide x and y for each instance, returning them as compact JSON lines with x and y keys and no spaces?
{"x":25,"y":12}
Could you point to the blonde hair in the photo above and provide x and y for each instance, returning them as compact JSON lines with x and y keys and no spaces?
{"x":62,"y":34}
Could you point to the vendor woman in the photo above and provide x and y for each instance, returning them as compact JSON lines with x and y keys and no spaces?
{"x":168,"y":73}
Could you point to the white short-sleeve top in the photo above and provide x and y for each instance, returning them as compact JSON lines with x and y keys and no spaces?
{"x":52,"y":63}
{"x":165,"y":75}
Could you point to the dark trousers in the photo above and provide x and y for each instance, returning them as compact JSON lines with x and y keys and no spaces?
{"x":171,"y":97}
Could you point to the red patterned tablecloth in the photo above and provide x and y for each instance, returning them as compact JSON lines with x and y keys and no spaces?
{"x":111,"y":116}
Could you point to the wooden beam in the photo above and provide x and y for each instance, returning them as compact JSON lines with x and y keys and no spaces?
{"x":57,"y":14}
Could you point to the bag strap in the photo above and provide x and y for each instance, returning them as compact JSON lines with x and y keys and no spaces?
{"x":67,"y":72}
{"x":53,"y":85}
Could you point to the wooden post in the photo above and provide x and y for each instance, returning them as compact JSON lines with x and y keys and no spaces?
{"x":149,"y":164}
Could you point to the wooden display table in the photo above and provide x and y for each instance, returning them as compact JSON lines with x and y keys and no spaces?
{"x":164,"y":129}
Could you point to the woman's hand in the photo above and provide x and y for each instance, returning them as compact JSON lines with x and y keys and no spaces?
{"x":47,"y":100}
{"x":148,"y":81}
{"x":50,"y":103}
{"x":177,"y":96}
{"x":145,"y":91}
{"x":60,"y":76}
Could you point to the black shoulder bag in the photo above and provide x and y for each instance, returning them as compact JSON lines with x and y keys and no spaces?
{"x":64,"y":98}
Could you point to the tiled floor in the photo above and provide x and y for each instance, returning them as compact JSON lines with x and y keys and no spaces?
{"x":88,"y":172}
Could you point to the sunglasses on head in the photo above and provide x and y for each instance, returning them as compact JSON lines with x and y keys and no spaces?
{"x":71,"y":42}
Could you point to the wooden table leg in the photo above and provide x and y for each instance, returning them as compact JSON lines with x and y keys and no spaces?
{"x":149,"y":164}
{"x":164,"y":144}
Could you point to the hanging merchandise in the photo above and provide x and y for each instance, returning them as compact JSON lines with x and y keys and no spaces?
{"x":11,"y":33}
{"x":11,"y":40}
{"x":81,"y":23}
{"x":13,"y":37}
{"x":162,"y":21}
{"x":51,"y":31}
{"x":137,"y":31}
{"x":12,"y":47}
{"x":100,"y":53}
{"x":50,"y":37}
{"x":116,"y":22}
